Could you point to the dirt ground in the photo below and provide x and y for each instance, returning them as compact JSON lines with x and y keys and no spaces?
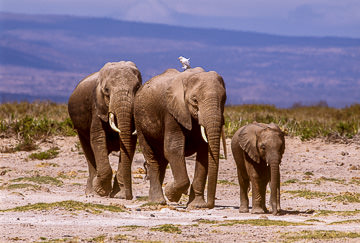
{"x":320,"y":200}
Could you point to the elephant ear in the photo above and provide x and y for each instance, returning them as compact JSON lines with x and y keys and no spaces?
{"x":248,"y":140}
{"x":175,"y":102}
{"x":100,"y":106}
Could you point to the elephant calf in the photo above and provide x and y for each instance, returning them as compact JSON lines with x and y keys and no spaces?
{"x":101,"y":109}
{"x":257,"y":149}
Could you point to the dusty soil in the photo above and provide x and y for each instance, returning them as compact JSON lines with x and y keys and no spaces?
{"x":330,"y":169}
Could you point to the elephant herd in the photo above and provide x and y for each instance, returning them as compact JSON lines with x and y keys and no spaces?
{"x":173,"y":115}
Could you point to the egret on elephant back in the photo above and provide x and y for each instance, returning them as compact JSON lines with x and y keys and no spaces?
{"x":101,"y":109}
{"x":176,"y":115}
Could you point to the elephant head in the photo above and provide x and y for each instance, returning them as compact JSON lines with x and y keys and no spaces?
{"x":265,"y":143}
{"x":196,"y":96}
{"x":117,"y":85}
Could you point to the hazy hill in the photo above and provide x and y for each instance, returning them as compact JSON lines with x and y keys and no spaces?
{"x":45,"y":56}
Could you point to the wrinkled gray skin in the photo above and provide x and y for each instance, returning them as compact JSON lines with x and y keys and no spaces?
{"x":168,"y":111}
{"x":257,"y":149}
{"x":111,"y":90}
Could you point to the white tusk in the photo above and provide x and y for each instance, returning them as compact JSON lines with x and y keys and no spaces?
{"x":224,"y":142}
{"x":134,"y":133}
{"x":112,"y":123}
{"x":203,"y":134}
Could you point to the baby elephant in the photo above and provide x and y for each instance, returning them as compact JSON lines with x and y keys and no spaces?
{"x":257,"y":149}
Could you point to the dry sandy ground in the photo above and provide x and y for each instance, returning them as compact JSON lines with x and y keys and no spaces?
{"x":330,"y":169}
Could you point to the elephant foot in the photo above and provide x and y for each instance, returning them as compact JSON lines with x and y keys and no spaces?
{"x":198,"y":202}
{"x":102,"y":188}
{"x":243,"y":209}
{"x":257,"y":210}
{"x":157,"y":200}
{"x":172,"y":194}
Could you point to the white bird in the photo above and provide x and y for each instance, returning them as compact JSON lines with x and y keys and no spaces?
{"x":185,"y":62}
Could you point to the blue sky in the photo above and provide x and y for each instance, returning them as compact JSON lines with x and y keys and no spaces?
{"x":284,"y":17}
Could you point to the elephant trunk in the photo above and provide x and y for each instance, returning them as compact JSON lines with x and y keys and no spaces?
{"x":213,"y":127}
{"x":275,"y":187}
{"x":125,"y":122}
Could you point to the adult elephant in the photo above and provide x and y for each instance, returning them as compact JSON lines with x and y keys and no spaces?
{"x":172,"y":111}
{"x":101,"y":109}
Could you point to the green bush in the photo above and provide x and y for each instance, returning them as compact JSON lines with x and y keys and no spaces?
{"x":48,"y":154}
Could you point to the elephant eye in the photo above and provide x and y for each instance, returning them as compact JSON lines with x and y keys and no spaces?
{"x":262,"y":146}
{"x":106,"y":91}
{"x":194,"y":100}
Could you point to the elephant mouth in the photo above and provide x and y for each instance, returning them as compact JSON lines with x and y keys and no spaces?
{"x":223,"y":138}
{"x":113,"y":125}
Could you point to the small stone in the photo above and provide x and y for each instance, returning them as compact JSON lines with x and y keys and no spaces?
{"x":225,"y":217}
{"x":138,"y":209}
{"x":152,"y":215}
{"x":18,"y":219}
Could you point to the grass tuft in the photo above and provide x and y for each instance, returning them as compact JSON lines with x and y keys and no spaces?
{"x":339,"y":213}
{"x":168,"y":228}
{"x":226,"y":182}
{"x":48,"y":154}
{"x":40,"y":180}
{"x":68,"y":206}
{"x":261,"y":222}
{"x":319,"y":234}
{"x":22,"y":186}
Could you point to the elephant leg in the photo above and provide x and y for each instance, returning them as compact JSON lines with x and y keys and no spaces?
{"x":243,"y":179}
{"x":196,"y":197}
{"x":156,"y":194}
{"x":257,"y":190}
{"x":162,"y":169}
{"x":174,"y":153}
{"x":118,"y":185}
{"x":86,"y":146}
{"x":102,"y":180}
{"x":263,"y":196}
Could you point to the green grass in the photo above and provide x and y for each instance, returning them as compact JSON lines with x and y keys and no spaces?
{"x":21,"y":186}
{"x":319,"y":234}
{"x":346,"y":197}
{"x":261,"y":222}
{"x":307,"y":122}
{"x":291,"y":181}
{"x":168,"y":228}
{"x":33,"y":121}
{"x":68,"y":206}
{"x":48,"y":154}
{"x":309,"y":194}
{"x":142,"y":198}
{"x":335,"y":180}
{"x":150,"y":204}
{"x":40,"y":180}
{"x":130,"y":227}
{"x":226,"y":182}
{"x":342,"y":197}
{"x":339,"y":213}
{"x":309,"y":173}
{"x":349,"y":221}
{"x":207,"y":221}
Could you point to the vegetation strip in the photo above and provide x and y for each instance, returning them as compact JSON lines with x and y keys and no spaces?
{"x":319,"y":234}
{"x":40,"y":180}
{"x":68,"y":206}
{"x":168,"y":228}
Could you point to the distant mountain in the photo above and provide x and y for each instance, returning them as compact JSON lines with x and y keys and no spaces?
{"x":45,"y":56}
